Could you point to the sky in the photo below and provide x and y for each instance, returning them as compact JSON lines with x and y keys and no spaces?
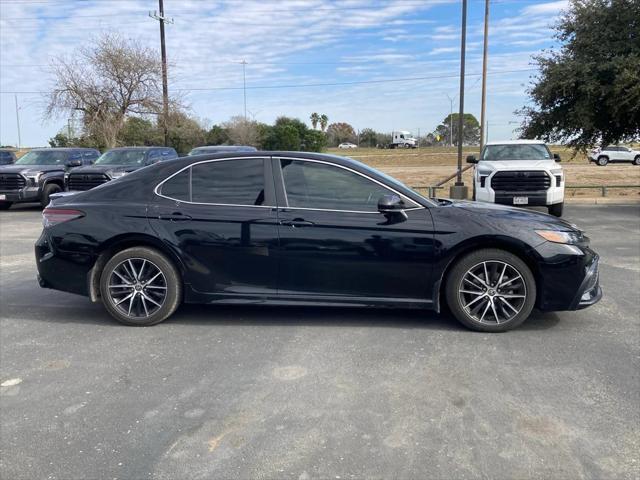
{"x":382,"y":64}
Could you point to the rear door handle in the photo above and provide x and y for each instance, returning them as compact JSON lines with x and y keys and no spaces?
{"x":296,"y":223}
{"x":174,"y":217}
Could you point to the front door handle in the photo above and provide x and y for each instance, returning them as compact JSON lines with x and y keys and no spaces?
{"x":296,"y":223}
{"x":174,"y":217}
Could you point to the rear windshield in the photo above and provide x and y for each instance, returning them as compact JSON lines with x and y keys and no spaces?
{"x":43,"y":157}
{"x":516,"y":152}
{"x":121,"y":157}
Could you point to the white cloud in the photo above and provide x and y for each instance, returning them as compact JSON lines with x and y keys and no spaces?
{"x":551,"y":8}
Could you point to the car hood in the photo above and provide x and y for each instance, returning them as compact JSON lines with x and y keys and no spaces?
{"x":30,"y":169}
{"x":518,"y":164}
{"x":106,"y":169}
{"x":496,"y":214}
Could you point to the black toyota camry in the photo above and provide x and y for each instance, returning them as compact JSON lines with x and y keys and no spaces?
{"x":292,"y":228}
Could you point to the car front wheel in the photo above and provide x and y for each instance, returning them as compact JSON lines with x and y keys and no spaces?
{"x":602,"y":161}
{"x":491,"y":290}
{"x":636,"y":161}
{"x":5,"y":205}
{"x":556,"y":209}
{"x":140,"y":286}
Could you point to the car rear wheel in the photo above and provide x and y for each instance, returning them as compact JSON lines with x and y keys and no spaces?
{"x":49,"y":190}
{"x":602,"y":161}
{"x":5,"y":205}
{"x":636,"y":161}
{"x":140,"y":286}
{"x":491,"y":290}
{"x":556,"y":209}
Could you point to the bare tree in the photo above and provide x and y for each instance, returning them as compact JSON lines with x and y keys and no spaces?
{"x":242,"y":131}
{"x":107,"y":81}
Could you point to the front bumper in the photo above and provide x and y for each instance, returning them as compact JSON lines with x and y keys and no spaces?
{"x":26,"y":194}
{"x":590,"y":291}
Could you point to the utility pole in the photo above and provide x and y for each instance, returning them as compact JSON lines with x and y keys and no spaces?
{"x":484,"y":76}
{"x":15,"y":97}
{"x":459,"y":191}
{"x":244,"y":87}
{"x":163,"y":51}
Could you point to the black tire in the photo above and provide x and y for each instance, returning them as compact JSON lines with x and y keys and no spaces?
{"x":602,"y":161}
{"x":49,"y":190}
{"x":636,"y":161}
{"x":460,"y":270}
{"x":5,"y":205}
{"x":171,"y":280}
{"x":556,"y":209}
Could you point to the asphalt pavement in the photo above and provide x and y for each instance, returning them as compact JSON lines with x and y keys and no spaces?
{"x":305,"y":393}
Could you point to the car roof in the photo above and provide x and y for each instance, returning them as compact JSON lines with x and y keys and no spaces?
{"x":144,"y":148}
{"x":516,"y":142}
{"x":227,"y":148}
{"x":63,"y":149}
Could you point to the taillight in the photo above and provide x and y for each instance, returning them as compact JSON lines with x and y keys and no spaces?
{"x":54,"y":216}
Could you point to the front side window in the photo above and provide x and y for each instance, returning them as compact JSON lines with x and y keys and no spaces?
{"x":327,"y":187}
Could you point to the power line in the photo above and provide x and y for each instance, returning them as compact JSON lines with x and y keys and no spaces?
{"x":326,"y":84}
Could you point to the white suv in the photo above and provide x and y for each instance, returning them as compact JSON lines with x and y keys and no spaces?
{"x":520,"y":172}
{"x":614,"y":153}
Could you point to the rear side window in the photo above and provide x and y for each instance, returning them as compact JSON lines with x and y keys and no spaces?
{"x":232,"y":182}
{"x":178,"y":187}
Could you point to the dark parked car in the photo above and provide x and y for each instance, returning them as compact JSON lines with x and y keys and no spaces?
{"x":39,"y":173}
{"x":7,"y":157}
{"x":115,"y":163}
{"x":306,"y":229}
{"x":221,"y":149}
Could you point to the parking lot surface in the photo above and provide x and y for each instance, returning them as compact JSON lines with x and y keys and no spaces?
{"x":302,"y":393}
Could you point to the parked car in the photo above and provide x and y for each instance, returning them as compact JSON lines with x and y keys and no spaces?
{"x":39,"y":173}
{"x":221,"y":149}
{"x":7,"y":157}
{"x":297,"y":228}
{"x":347,"y":145}
{"x":115,"y":163}
{"x":614,"y":153}
{"x":520,"y":172}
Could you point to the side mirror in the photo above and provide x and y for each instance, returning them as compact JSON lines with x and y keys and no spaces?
{"x":472,"y":159}
{"x":74,"y":162}
{"x":556,"y":157}
{"x":390,"y":204}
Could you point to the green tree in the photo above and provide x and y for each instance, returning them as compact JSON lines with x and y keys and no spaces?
{"x":470,"y":130}
{"x":217,"y":135}
{"x":184,"y":132}
{"x":368,"y":137}
{"x":315,"y":118}
{"x":139,"y":131}
{"x":324,"y":120}
{"x":340,"y":132}
{"x":314,"y":141}
{"x":588,"y":90}
{"x":61,"y":140}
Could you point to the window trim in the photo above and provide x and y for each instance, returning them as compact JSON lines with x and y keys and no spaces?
{"x":286,"y":199}
{"x":159,"y":185}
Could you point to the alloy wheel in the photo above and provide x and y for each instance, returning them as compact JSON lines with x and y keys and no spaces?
{"x":137,"y":287}
{"x":492,"y":292}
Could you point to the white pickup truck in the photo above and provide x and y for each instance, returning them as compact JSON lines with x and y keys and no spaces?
{"x":519,"y":172}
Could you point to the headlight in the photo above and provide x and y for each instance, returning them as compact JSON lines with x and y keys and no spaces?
{"x":484,"y":172}
{"x":555,"y":236}
{"x":34,"y":177}
{"x":115,"y":175}
{"x":556,"y":171}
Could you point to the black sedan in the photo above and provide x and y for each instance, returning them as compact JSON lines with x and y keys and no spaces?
{"x":293,"y":228}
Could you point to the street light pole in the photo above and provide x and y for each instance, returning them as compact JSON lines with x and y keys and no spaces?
{"x":15,"y":97}
{"x":244,"y":87}
{"x":163,"y":52}
{"x":484,"y":76}
{"x":459,"y":191}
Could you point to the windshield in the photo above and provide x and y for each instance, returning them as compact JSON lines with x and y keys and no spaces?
{"x":121,"y":157}
{"x":535,"y":151}
{"x":43,"y":157}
